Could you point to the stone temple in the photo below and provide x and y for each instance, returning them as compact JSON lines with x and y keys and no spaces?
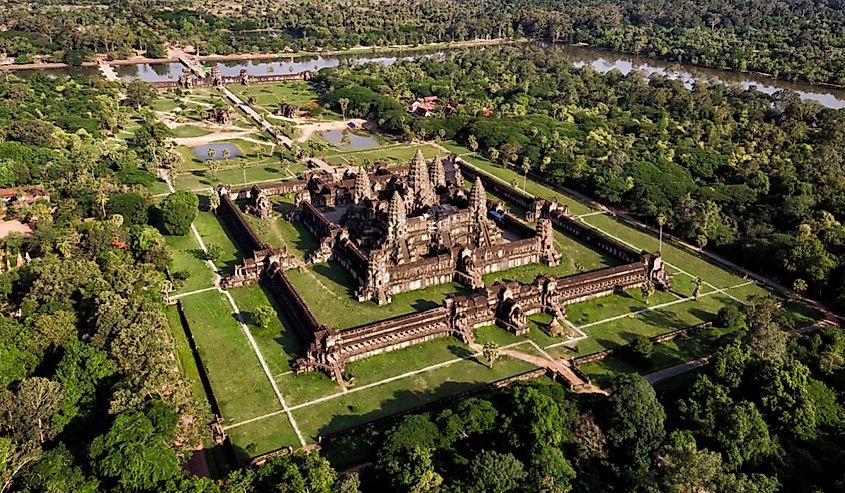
{"x":408,"y":227}
{"x":403,"y":229}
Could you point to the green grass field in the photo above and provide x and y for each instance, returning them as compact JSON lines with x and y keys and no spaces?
{"x":241,"y":386}
{"x":185,"y":258}
{"x":391,"y":154}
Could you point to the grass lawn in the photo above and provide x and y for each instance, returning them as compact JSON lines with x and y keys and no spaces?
{"x":270,"y":96}
{"x":184,"y":250}
{"x":238,"y":381}
{"x":391,"y":154}
{"x":329,"y":291}
{"x":363,"y":404}
{"x":212,"y":232}
{"x":185,"y":358}
{"x":262,"y":436}
{"x":190,"y":131}
{"x":278,"y":231}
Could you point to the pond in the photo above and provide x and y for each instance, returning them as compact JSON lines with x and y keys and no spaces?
{"x":314,"y":63}
{"x":356,"y":140}
{"x":202,"y":151}
{"x":605,"y":61}
{"x":150,"y":72}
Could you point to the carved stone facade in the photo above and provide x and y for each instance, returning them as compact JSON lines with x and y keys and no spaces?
{"x":221,"y":116}
{"x":402,"y":229}
{"x":394,"y":231}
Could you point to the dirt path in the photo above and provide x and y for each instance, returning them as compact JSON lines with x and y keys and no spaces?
{"x":309,"y":128}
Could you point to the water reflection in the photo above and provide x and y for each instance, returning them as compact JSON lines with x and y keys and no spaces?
{"x":604,"y":61}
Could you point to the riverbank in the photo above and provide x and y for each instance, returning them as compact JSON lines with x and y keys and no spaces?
{"x":358,"y":50}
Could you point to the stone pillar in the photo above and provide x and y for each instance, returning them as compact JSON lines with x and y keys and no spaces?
{"x":546,"y":240}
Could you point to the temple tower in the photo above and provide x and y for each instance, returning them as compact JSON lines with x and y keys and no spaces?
{"x":436,"y":173}
{"x":362,"y":189}
{"x":396,"y":218}
{"x":422,"y":193}
{"x":478,"y":201}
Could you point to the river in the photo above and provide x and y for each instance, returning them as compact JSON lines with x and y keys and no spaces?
{"x":603,"y":61}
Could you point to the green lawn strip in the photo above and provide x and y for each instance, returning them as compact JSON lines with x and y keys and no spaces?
{"x":158,"y":187}
{"x":185,"y":358}
{"x":190,"y":131}
{"x":240,"y":384}
{"x":261,"y":170}
{"x":184,"y":258}
{"x":390,"y":154}
{"x":271,"y":96}
{"x":264,"y":435}
{"x":614,"y":305}
{"x":278,"y":343}
{"x":305,"y":387}
{"x":690,"y":263}
{"x":406,"y":360}
{"x":212,"y":232}
{"x":329,"y":291}
{"x":278,"y":232}
{"x":508,"y":175}
{"x":536,"y":333}
{"x":360,"y":406}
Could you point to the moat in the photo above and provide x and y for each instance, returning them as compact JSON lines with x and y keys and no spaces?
{"x":600,"y":60}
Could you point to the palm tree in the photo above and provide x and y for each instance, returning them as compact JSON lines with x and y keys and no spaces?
{"x":648,"y":290}
{"x":227,"y":154}
{"x":212,"y":153}
{"x":491,"y":353}
{"x":344,"y":103}
{"x":214,"y":202}
{"x":697,"y":291}
{"x":661,"y":220}
{"x":526,"y":167}
{"x":242,"y":164}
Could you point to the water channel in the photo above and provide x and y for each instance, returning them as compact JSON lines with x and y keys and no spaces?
{"x":600,"y":60}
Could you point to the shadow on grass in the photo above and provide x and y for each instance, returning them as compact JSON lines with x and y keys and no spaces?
{"x":400,"y":404}
{"x":460,"y":351}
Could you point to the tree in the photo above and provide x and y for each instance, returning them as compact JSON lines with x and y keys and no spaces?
{"x":642,"y":349}
{"x":132,"y":206}
{"x":743,"y":435}
{"x":226,"y":155}
{"x":647,"y":290}
{"x":133,"y":453}
{"x":177,"y":212}
{"x":635,"y":428}
{"x":729,"y":316}
{"x":492,"y":472}
{"x":139,"y":93}
{"x":537,"y":418}
{"x":550,"y":471}
{"x":590,"y":440}
{"x":264,"y":315}
{"x":696,"y":293}
{"x":213,"y":252}
{"x":682,"y":467}
{"x":28,"y":414}
{"x":343,"y":103}
{"x":526,"y":167}
{"x":491,"y":353}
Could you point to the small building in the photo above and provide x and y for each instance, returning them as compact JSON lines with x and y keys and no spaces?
{"x":23,"y":195}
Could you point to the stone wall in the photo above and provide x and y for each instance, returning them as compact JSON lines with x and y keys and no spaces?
{"x":234,"y":219}
{"x":589,"y":236}
{"x":236,"y":79}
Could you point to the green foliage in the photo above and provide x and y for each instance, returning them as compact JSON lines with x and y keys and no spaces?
{"x":177,"y":211}
{"x":132,"y":206}
{"x":729,"y":316}
{"x":537,"y":418}
{"x":641,"y":349}
{"x":264,"y":315}
{"x":636,"y":422}
{"x":133,"y":453}
{"x":139,"y":93}
{"x":494,"y":472}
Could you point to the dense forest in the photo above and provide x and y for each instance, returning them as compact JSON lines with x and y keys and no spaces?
{"x":759,"y":178}
{"x":792,"y":39}
{"x":763,"y":418}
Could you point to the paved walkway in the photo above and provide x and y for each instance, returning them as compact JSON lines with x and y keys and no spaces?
{"x":256,"y":117}
{"x":108,"y":71}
